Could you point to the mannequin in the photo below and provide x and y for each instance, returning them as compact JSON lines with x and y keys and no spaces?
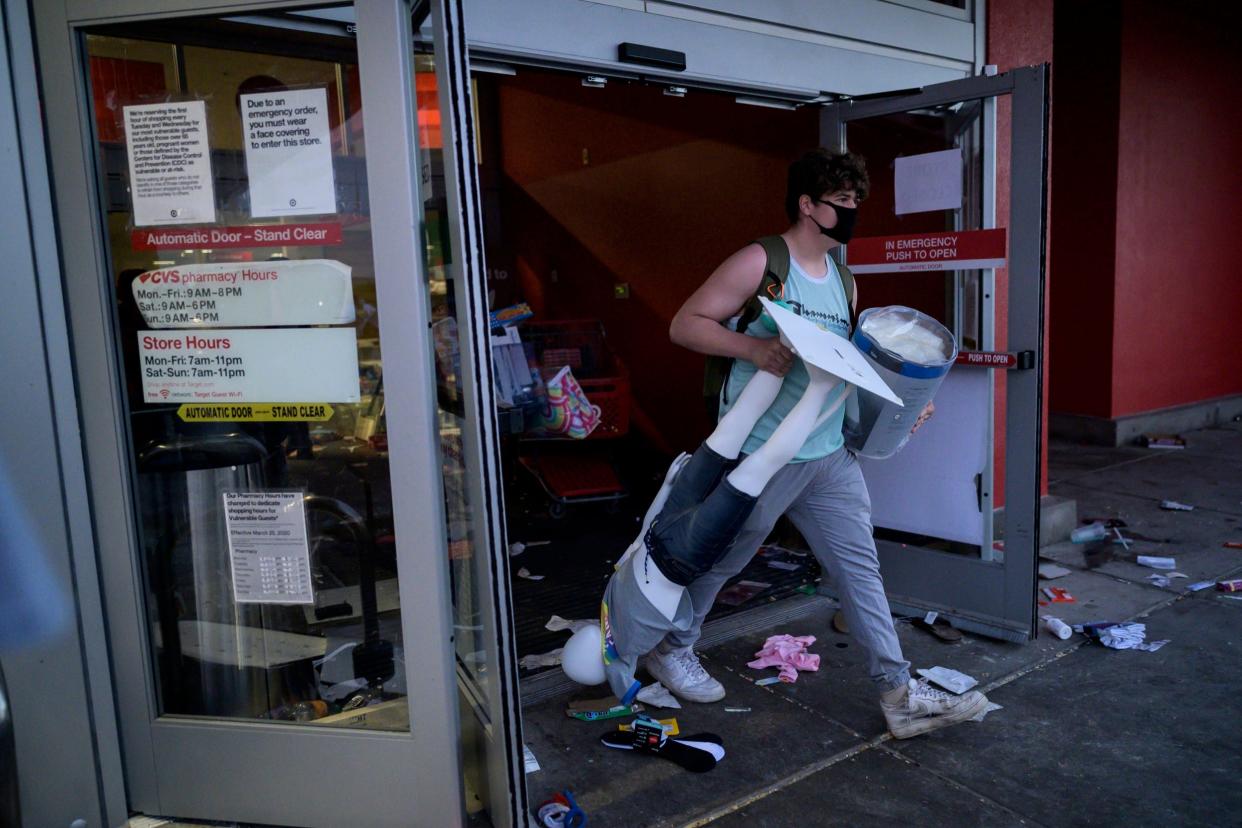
{"x":703,"y":504}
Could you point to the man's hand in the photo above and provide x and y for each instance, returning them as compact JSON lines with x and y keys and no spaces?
{"x":924,"y":416}
{"x":771,"y":356}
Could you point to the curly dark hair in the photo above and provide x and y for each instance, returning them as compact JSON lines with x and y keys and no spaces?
{"x":822,"y":172}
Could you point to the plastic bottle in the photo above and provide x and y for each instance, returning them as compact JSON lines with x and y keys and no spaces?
{"x":1086,"y":534}
{"x":1057,"y":627}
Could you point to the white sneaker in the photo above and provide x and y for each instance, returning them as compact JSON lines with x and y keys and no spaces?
{"x":680,"y":671}
{"x":922,"y":709}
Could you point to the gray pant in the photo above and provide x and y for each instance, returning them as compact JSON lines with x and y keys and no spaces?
{"x":827,"y":501}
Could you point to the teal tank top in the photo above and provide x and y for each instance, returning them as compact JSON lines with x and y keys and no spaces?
{"x":823,"y":302}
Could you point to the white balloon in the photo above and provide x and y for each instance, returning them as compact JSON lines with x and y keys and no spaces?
{"x":583,"y":659}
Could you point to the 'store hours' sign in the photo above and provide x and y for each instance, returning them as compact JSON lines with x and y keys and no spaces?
{"x":240,"y":365}
{"x":950,"y":250}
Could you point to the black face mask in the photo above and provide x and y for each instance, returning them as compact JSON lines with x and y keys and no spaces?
{"x":843,"y":230}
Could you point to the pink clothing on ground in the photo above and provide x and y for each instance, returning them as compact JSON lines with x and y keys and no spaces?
{"x":789,"y":653}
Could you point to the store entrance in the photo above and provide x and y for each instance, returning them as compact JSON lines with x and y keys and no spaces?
{"x":606,"y":203}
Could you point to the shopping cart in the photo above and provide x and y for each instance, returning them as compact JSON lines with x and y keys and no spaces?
{"x":579,"y":471}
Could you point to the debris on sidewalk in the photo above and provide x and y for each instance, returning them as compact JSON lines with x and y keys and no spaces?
{"x":536,"y":660}
{"x":737,"y":709}
{"x":669,"y":726}
{"x":1049,"y":571}
{"x":764,"y":682}
{"x":657,"y":695}
{"x":1200,"y":585}
{"x":556,"y":624}
{"x":1058,"y":595}
{"x":1163,"y":581}
{"x":528,"y":757}
{"x":741,"y":592}
{"x":785,"y":566}
{"x":1234,"y":585}
{"x":789,"y":654}
{"x":594,"y":710}
{"x":1232,"y":544}
{"x":561,"y":811}
{"x":528,"y":575}
{"x":1128,"y":636}
{"x":1174,"y":506}
{"x":1091,"y":532}
{"x":951,"y":680}
{"x":991,"y":705}
{"x":1057,"y":627}
{"x":939,"y":627}
{"x":1162,"y":441}
{"x":1156,"y":562}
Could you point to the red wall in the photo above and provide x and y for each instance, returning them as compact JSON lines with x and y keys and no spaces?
{"x":1178,"y":301}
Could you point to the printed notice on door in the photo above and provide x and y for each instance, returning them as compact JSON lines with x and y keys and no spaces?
{"x":169,"y":163}
{"x":268,"y":550}
{"x":288,"y":152}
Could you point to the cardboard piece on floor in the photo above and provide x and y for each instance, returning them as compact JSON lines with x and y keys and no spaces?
{"x":829,"y":351}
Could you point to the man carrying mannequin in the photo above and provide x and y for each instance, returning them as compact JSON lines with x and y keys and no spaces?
{"x":822,"y":489}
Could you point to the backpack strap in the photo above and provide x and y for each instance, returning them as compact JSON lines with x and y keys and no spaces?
{"x":772,"y":286}
{"x":847,"y":284}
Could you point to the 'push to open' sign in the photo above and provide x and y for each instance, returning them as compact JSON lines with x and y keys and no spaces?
{"x":950,"y":250}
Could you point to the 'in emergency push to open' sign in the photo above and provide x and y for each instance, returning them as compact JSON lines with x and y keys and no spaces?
{"x":950,"y":250}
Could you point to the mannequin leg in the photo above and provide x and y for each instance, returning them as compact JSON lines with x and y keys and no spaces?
{"x":757,"y":469}
{"x":735,"y":426}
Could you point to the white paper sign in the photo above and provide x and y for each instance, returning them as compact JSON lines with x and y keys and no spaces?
{"x":268,"y":551}
{"x":304,"y":292}
{"x":829,"y":351}
{"x":931,"y":181}
{"x":288,"y":152}
{"x":169,"y":163}
{"x":248,"y":365}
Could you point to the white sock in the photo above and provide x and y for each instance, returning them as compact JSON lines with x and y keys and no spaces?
{"x":757,"y":469}
{"x":735,"y":426}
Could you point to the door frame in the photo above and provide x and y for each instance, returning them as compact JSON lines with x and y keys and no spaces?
{"x":993,"y":594}
{"x":392,"y":780}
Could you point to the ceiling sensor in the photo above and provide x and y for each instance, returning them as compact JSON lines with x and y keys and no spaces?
{"x":595,"y":81}
{"x":675,"y":91}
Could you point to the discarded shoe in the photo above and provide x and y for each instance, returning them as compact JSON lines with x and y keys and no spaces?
{"x":697,"y":753}
{"x":920,"y":708}
{"x":680,"y":671}
{"x":941,"y":628}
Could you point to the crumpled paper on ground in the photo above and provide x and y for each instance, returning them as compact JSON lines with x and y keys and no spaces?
{"x":788,"y":653}
{"x":657,"y":695}
{"x":549,"y":659}
{"x":1129,"y":637}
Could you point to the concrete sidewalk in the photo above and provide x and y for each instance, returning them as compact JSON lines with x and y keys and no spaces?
{"x":1086,"y":736}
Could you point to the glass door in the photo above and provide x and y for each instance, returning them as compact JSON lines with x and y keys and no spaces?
{"x":957,"y":510}
{"x":281,"y":520}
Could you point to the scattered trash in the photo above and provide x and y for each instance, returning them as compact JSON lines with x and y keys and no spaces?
{"x":737,"y":709}
{"x":807,"y":589}
{"x":526,"y":573}
{"x":1163,"y":581}
{"x":1048,"y":571}
{"x":1233,"y":597}
{"x":657,"y":695}
{"x":519,"y":547}
{"x":950,"y":680}
{"x":787,"y":652}
{"x":1057,"y":595}
{"x":561,"y":811}
{"x":528,"y":755}
{"x":764,"y":682}
{"x":1232,"y":544}
{"x":595,"y":710}
{"x":1162,"y":441}
{"x":1057,"y":627}
{"x":937,"y":626}
{"x":1097,"y":554}
{"x":991,"y":705}
{"x":1234,"y":585}
{"x":697,"y":753}
{"x":549,"y":659}
{"x":1156,"y":562}
{"x":556,"y":624}
{"x":1121,"y":538}
{"x":785,"y":565}
{"x":1198,"y":585}
{"x":839,"y":623}
{"x":1120,"y":636}
{"x":1092,"y":532}
{"x":669,"y":726}
{"x":741,"y":592}
{"x":1174,"y":506}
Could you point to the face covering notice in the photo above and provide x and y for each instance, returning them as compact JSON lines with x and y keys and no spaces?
{"x":288,"y":152}
{"x":169,"y":165}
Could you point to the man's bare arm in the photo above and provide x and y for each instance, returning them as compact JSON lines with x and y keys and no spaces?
{"x":697,"y":324}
